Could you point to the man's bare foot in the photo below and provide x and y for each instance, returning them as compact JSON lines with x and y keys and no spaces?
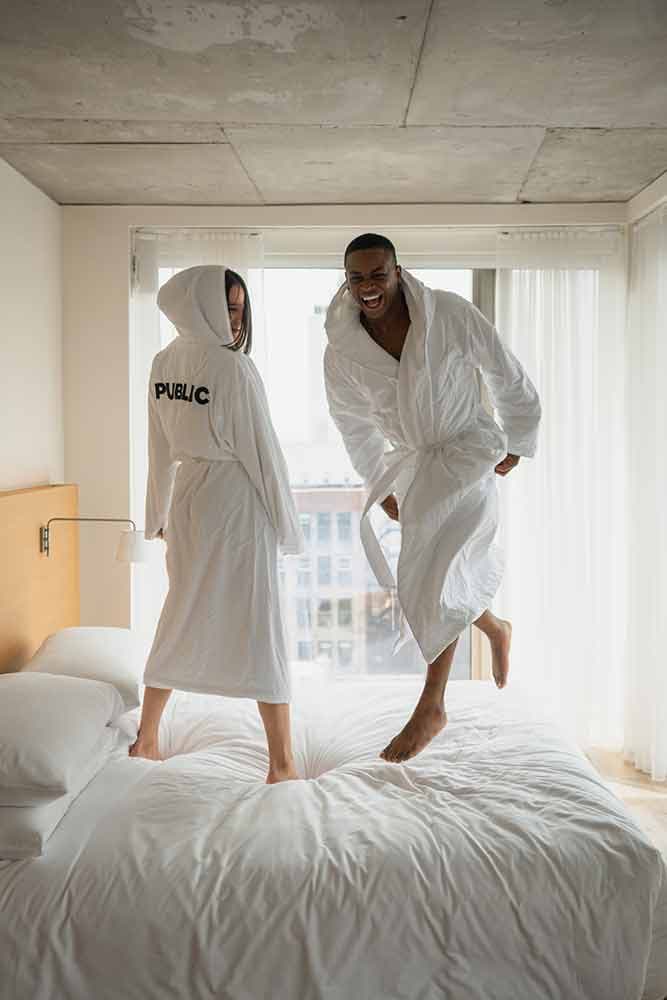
{"x":146,"y":747}
{"x":500,"y":653}
{"x":425,"y":723}
{"x":287,"y":772}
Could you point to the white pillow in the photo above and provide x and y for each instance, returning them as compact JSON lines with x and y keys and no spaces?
{"x":49,"y":726}
{"x":100,"y":654}
{"x":25,"y":831}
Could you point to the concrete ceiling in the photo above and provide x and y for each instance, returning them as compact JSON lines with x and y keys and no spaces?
{"x":357,"y":101}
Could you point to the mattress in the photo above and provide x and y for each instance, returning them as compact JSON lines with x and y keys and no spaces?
{"x":497,"y":864}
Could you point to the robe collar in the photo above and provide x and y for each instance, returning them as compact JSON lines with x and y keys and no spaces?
{"x":348,"y":337}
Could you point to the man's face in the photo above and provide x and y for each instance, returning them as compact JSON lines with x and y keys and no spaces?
{"x":373,"y":280}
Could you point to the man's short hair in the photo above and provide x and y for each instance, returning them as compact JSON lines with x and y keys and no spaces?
{"x":370,"y":241}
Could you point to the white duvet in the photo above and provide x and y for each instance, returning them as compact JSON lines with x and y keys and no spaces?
{"x":495,"y":866}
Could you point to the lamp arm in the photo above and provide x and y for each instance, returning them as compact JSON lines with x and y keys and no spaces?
{"x":114,"y":520}
{"x":44,"y":531}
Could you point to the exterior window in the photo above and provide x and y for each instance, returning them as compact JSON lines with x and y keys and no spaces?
{"x":344,"y":572}
{"x":324,"y":615}
{"x":303,"y":573}
{"x":344,"y":522}
{"x":345,"y":653}
{"x":324,"y":570}
{"x":304,"y":521}
{"x":325,"y":650}
{"x":323,"y":527}
{"x":303,"y":618}
{"x":345,"y":612}
{"x":304,"y":650}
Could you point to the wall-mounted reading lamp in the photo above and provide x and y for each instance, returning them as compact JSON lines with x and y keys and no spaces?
{"x":131,"y":546}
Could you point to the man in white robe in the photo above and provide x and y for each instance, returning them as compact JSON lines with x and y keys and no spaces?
{"x":401,"y":371}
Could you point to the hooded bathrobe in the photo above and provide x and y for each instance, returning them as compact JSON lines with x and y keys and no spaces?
{"x":218,"y":489}
{"x":427,"y":408}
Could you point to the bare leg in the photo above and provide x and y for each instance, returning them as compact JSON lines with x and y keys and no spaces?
{"x":499,"y":633}
{"x":147,"y":738}
{"x":429,"y":717}
{"x":276,"y":721}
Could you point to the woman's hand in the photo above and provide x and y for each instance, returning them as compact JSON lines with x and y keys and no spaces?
{"x":508,"y":463}
{"x":390,"y":507}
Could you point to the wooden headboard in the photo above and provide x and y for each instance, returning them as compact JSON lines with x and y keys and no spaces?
{"x":39,"y":594}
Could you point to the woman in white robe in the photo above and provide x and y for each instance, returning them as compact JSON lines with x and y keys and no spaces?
{"x":445,"y":448}
{"x":219,"y":495}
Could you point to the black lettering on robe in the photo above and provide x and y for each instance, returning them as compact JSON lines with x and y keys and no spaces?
{"x":183,"y":391}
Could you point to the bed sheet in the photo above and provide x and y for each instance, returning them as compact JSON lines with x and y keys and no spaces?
{"x":495,"y":865}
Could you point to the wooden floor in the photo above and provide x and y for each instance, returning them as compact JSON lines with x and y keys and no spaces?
{"x":645,"y":799}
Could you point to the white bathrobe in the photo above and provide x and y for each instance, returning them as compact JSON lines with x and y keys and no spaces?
{"x":445,"y":446}
{"x":219,"y":491}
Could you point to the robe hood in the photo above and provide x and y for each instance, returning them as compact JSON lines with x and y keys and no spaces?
{"x":195,"y":301}
{"x":342,"y":319}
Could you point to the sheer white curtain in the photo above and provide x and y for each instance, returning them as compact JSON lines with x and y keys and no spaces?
{"x":646,"y":705}
{"x":156,"y":255}
{"x":560,"y":307}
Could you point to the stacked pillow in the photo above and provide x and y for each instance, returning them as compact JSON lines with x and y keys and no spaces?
{"x":59,"y":721}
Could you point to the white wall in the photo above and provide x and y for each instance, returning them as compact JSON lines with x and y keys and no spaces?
{"x":97,"y":342}
{"x":31,"y":382}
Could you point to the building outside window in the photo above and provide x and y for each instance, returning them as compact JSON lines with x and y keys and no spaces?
{"x":304,"y":650}
{"x":344,"y":571}
{"x":324,"y":570}
{"x":323,"y":527}
{"x":303,"y":616}
{"x":303,"y":577}
{"x":324,"y":614}
{"x":304,"y":521}
{"x":345,"y":612}
{"x":325,"y":650}
{"x":344,"y":524}
{"x":345,"y":653}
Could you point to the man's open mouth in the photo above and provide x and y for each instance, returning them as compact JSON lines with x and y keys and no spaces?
{"x":372,"y":302}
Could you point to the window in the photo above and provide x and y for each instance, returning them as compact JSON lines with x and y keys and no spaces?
{"x":303,"y":573}
{"x":344,"y":523}
{"x":323,"y":527}
{"x":304,"y":521}
{"x":345,"y":612}
{"x":324,"y":570}
{"x":345,"y":653}
{"x":324,"y":614}
{"x":329,"y":493}
{"x":288,"y":351}
{"x":344,"y":571}
{"x":303,"y":618}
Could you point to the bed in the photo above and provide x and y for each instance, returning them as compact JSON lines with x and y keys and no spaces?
{"x":496,"y":865}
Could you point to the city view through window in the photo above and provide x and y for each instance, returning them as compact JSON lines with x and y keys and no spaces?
{"x":338,"y":621}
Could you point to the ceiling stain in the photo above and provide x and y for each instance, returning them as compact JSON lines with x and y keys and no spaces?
{"x":197,"y":26}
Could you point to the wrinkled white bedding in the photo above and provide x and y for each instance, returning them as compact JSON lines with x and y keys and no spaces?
{"x":496,"y":866}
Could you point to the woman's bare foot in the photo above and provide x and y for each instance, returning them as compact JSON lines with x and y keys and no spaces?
{"x":501,"y":641}
{"x":145,"y":746}
{"x":426,"y":721}
{"x":284,"y":772}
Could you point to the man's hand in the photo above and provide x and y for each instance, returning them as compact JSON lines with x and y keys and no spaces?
{"x":508,"y":463}
{"x":390,"y":507}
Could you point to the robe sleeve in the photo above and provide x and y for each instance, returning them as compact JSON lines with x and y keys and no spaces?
{"x":255,"y":443}
{"x":512,"y":392}
{"x":349,"y":409}
{"x":161,"y":472}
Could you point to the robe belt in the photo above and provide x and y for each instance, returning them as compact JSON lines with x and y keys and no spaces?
{"x":381,"y":490}
{"x":198,"y":460}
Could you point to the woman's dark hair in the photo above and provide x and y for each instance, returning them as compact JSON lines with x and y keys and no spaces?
{"x":244,"y":343}
{"x":370,"y":241}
